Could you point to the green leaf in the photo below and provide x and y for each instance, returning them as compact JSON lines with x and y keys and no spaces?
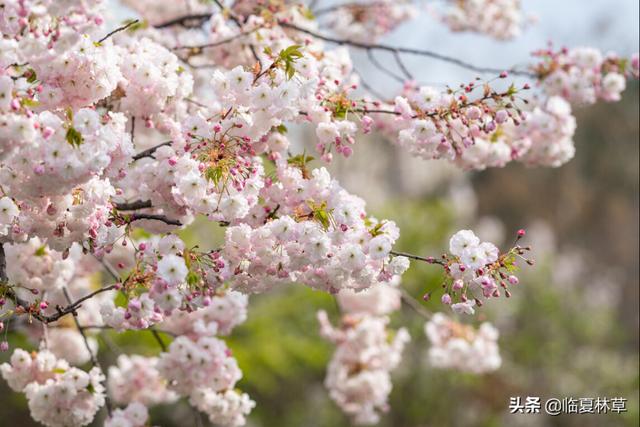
{"x":300,"y":160}
{"x":32,"y":76}
{"x":193,"y":278}
{"x":308,"y":13}
{"x":29,"y":103}
{"x":281,"y":129}
{"x":74,"y":137}
{"x":213,"y":174}
{"x":289,"y":56}
{"x":41,"y":251}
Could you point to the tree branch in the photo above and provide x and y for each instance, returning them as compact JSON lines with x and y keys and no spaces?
{"x":186,"y":21}
{"x":133,"y":206}
{"x":149,"y":151}
{"x":61,"y":312}
{"x":414,"y":304}
{"x":428,"y":260}
{"x":162,"y":218}
{"x":92,"y":355}
{"x":399,"y":50}
{"x":117,"y":30}
{"x":219,"y":42}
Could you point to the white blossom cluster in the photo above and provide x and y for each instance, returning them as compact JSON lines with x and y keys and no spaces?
{"x":500,"y":19}
{"x":461,"y":347}
{"x":359,"y":373}
{"x":205,"y":371}
{"x":136,"y":378}
{"x":368,"y":22}
{"x":584,"y":75}
{"x":57,"y":395}
{"x":134,"y":415}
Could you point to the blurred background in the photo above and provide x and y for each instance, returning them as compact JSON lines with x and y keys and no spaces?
{"x":571,"y":327}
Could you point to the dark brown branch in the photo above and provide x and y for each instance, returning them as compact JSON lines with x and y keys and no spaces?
{"x":133,"y":206}
{"x":117,"y":30}
{"x":149,"y":151}
{"x":410,"y":51}
{"x":3,"y":266}
{"x":188,"y":21}
{"x":162,"y":218}
{"x":61,"y":311}
{"x":428,"y":260}
{"x":158,"y":338}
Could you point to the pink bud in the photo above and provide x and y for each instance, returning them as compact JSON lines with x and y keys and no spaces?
{"x":521,"y":233}
{"x":502,"y":116}
{"x":446,"y":299}
{"x":4,"y":346}
{"x":457,"y":285}
{"x":513,"y":280}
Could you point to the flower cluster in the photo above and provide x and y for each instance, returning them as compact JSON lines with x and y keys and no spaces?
{"x":584,"y":75}
{"x":367,"y":22}
{"x":457,"y":125}
{"x":227,"y":409}
{"x":24,"y":368}
{"x":110,"y":139}
{"x":205,"y":371}
{"x":461,"y":347}
{"x":477,"y":271}
{"x":311,"y":231}
{"x":134,"y":415}
{"x":219,"y":317}
{"x":153,"y":79}
{"x":57,"y":395}
{"x":358,"y":376}
{"x":500,"y":19}
{"x":136,"y":379}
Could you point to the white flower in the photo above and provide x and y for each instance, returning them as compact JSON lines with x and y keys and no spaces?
{"x":462,"y":240}
{"x":379,"y":247}
{"x":8,"y":211}
{"x":172,"y":269}
{"x":464,"y":307}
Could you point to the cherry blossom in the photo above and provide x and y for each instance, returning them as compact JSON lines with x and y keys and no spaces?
{"x":113,"y":140}
{"x":458,"y":346}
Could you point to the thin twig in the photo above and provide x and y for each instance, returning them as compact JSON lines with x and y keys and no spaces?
{"x":414,"y":304}
{"x":185,"y":21}
{"x":162,"y":218}
{"x":403,"y":67}
{"x":149,"y":151}
{"x":158,"y":338}
{"x":382,"y":68}
{"x":94,"y":358}
{"x":117,"y":30}
{"x":428,"y":260}
{"x":236,"y":20}
{"x":406,"y":50}
{"x":218,"y":43}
